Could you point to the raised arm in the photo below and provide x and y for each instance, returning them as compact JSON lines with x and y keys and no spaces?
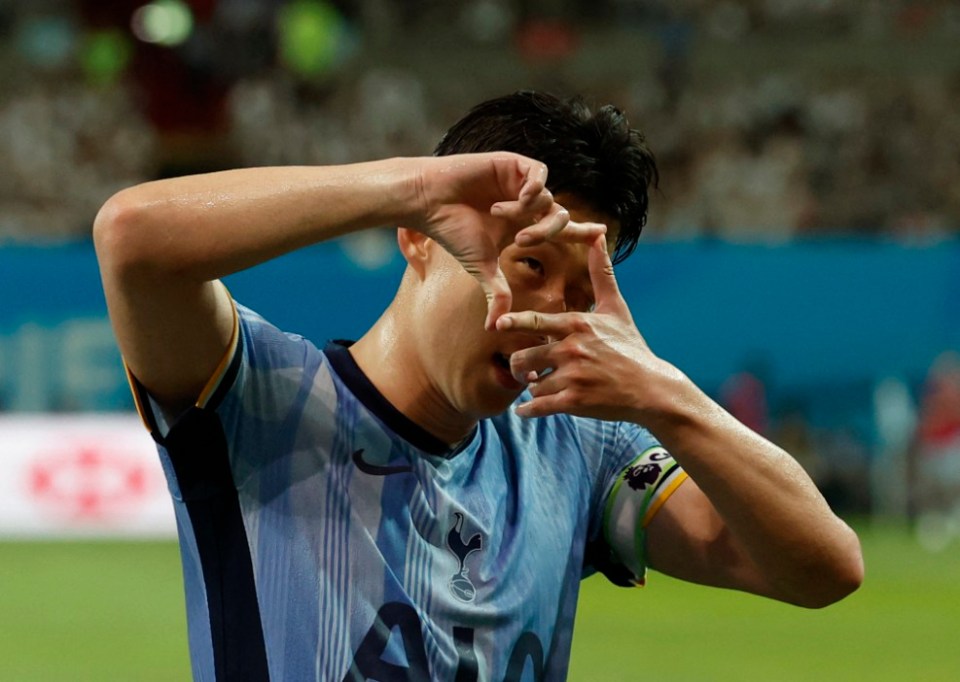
{"x":163,"y":245}
{"x":749,"y":517}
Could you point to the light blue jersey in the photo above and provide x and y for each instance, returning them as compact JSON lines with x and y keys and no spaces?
{"x":325,"y":536}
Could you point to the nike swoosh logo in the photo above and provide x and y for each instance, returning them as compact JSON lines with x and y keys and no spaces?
{"x":376,"y":469}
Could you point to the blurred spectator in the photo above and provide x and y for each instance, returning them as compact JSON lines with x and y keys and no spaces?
{"x":744,"y":395}
{"x":937,"y":484}
{"x":895,"y":422}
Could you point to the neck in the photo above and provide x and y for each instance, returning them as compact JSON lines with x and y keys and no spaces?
{"x":389,"y":359}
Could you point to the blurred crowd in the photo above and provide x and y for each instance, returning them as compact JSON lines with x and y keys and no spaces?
{"x":789,"y":156}
{"x":771,"y":118}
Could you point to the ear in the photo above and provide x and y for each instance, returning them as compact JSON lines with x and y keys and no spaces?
{"x":415,"y":247}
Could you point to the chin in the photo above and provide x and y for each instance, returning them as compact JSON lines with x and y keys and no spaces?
{"x":491,"y":402}
{"x":489,"y":391}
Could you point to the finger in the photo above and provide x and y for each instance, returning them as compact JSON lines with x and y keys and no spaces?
{"x":546,"y":228}
{"x":543,"y":324}
{"x":606,"y":291}
{"x":543,"y":406}
{"x":498,"y":295}
{"x":572,"y":233}
{"x":524,"y":211}
{"x":539,"y":202}
{"x":520,"y":177}
{"x":535,"y":360}
{"x":553,"y":382}
{"x":534,"y":181}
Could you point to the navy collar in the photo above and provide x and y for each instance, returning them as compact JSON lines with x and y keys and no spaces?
{"x":343,"y":363}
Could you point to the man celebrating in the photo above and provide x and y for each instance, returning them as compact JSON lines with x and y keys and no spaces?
{"x":422,"y":504}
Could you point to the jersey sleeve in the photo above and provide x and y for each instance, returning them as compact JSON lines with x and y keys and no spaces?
{"x":639,"y":477}
{"x":258,"y":392}
{"x":157,"y":420}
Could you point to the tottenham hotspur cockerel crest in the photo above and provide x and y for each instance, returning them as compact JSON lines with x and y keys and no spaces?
{"x":460,"y":584}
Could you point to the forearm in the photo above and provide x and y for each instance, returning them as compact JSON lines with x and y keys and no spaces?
{"x":754,"y":520}
{"x":204,"y":227}
{"x":161,"y":246}
{"x":770,"y":507}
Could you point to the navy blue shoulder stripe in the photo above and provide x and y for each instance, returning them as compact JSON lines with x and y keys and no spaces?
{"x":197,"y":447}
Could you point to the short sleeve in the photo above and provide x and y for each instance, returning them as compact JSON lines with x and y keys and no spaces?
{"x":638,"y":476}
{"x":159,"y":421}
{"x":259,"y":392}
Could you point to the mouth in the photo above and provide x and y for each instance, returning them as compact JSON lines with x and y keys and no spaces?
{"x":501,"y":365}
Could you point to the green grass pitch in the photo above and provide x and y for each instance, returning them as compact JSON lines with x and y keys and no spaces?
{"x":114,"y":611}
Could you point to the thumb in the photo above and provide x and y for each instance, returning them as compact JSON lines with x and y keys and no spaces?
{"x":606,"y":291}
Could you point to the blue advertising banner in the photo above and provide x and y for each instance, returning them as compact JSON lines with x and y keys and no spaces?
{"x":813,"y":314}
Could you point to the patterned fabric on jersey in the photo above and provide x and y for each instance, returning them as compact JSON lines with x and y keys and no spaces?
{"x":325,"y":536}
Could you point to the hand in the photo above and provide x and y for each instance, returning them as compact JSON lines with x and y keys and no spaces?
{"x":474,"y":205}
{"x":596,"y":364}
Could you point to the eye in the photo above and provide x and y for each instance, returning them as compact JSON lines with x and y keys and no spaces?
{"x":533,"y":264}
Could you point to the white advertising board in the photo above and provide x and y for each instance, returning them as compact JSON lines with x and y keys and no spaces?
{"x":73,"y":476}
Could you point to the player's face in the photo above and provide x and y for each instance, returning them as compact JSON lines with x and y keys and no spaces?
{"x":469,"y":365}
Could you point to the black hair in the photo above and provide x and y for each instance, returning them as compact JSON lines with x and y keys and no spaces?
{"x":594,"y":156}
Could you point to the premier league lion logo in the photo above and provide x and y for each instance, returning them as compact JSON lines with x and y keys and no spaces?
{"x":642,"y":475}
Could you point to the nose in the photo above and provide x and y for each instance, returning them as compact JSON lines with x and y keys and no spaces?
{"x":555,"y":304}
{"x":550,"y":299}
{"x":545,"y":299}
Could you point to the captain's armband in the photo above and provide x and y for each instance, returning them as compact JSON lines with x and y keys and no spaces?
{"x":640,"y":490}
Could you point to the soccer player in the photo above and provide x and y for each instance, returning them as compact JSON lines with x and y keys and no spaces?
{"x":422,"y":504}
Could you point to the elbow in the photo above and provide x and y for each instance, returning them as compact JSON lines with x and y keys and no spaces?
{"x":112,"y":229}
{"x":849,"y":570}
{"x":837,"y":577}
{"x":833,"y":589}
{"x":120,"y":235}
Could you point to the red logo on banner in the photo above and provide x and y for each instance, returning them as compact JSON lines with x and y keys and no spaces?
{"x":92,"y":482}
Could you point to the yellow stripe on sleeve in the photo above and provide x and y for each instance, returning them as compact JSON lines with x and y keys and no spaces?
{"x":663,"y":496}
{"x":221,"y":369}
{"x":137,"y":397}
{"x":140,"y":399}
